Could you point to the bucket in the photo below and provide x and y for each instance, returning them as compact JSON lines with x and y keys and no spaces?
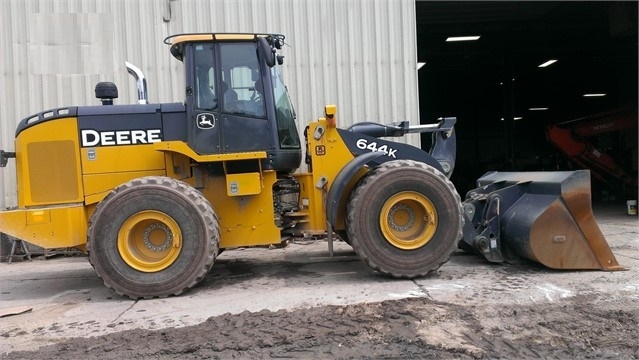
{"x":632,"y":207}
{"x":544,"y":216}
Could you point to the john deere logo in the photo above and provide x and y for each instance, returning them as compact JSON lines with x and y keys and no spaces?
{"x":205,"y":121}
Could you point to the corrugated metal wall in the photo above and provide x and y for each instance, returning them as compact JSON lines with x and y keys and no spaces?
{"x":358,"y":54}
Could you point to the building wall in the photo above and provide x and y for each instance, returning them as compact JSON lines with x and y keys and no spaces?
{"x":358,"y":54}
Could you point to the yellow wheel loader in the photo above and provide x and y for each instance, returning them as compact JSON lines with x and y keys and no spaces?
{"x":154,"y":192}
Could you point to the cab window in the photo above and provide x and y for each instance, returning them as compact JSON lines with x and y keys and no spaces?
{"x":284,"y":113}
{"x":205,"y":92}
{"x":241,"y":87}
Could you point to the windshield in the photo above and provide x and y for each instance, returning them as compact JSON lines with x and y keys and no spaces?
{"x":284,"y":112}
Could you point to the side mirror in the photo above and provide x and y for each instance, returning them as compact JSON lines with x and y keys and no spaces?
{"x":266,"y":51}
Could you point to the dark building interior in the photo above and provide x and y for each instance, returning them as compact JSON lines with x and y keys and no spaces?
{"x":504,"y":101}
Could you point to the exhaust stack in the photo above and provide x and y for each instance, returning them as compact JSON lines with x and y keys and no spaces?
{"x":143,"y":97}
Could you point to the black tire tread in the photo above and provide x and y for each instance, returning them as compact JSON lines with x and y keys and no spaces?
{"x":362,"y":190}
{"x":190,"y":194}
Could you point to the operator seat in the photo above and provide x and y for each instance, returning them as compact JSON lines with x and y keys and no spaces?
{"x":229,"y":95}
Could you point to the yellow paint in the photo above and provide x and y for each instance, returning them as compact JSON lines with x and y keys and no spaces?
{"x":315,"y":200}
{"x":178,"y":166}
{"x":244,"y":220}
{"x":243,"y":184}
{"x":234,"y":36}
{"x":97,"y":186}
{"x":51,"y":227}
{"x":191,"y":38}
{"x":408,"y":220}
{"x":123,"y":158}
{"x":181,"y":147}
{"x":96,"y":198}
{"x":107,"y":167}
{"x":48,"y":164}
{"x":330,"y":110}
{"x":329,"y":155}
{"x":149,"y":241}
{"x":38,"y":217}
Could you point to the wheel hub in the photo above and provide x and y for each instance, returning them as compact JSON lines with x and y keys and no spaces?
{"x":401,"y":208}
{"x":149,"y":241}
{"x":408,"y":220}
{"x":168,"y":236}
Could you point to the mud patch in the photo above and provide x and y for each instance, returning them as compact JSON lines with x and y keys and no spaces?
{"x":407,"y":328}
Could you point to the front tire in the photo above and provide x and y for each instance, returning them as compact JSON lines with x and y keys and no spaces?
{"x":153,"y":237}
{"x":404,"y":219}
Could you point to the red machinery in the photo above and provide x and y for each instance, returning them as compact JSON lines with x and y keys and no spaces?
{"x":575,"y":139}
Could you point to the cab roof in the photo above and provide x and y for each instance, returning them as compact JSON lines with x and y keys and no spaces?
{"x":178,"y":41}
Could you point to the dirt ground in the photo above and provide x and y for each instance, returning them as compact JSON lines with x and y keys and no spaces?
{"x":466,"y":310}
{"x":582,"y":328}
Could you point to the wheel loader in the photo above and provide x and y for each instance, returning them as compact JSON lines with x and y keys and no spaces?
{"x":154,"y":192}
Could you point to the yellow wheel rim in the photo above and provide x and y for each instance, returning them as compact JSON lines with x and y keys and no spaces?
{"x":408,"y":220}
{"x":149,"y":241}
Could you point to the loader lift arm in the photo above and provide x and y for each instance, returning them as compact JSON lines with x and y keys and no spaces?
{"x":444,"y":140}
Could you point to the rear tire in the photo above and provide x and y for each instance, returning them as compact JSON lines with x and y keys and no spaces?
{"x":153,"y":237}
{"x":404,"y":219}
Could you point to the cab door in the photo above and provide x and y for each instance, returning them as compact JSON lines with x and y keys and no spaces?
{"x":204,"y":134}
{"x":244,"y":120}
